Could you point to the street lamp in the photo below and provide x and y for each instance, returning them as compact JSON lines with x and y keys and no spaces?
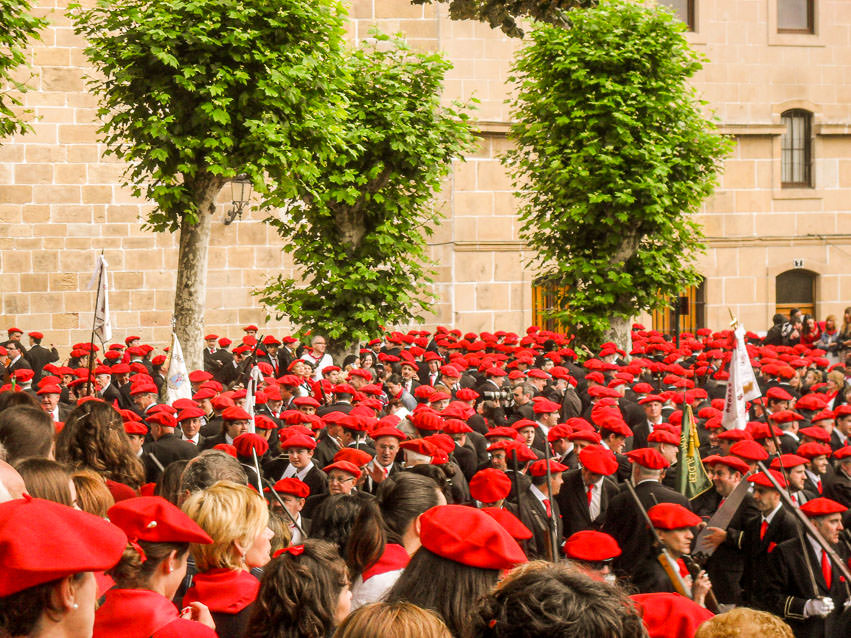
{"x":240,"y":189}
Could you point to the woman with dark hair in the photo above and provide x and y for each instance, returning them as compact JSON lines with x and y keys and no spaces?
{"x":149,"y":573}
{"x":304,"y":593}
{"x":463,"y":551}
{"x":168,"y":485}
{"x":94,"y":438}
{"x":48,"y":480}
{"x":334,"y":519}
{"x":545,"y":599}
{"x":47,"y":586}
{"x":386,"y":535}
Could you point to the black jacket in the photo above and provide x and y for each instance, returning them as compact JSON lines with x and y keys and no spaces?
{"x":783,"y":527}
{"x":167,"y":449}
{"x":573,"y":503}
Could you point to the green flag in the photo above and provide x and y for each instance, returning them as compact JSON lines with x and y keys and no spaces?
{"x":693,"y":480}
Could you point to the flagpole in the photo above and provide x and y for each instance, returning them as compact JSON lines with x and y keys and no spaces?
{"x":94,"y":325}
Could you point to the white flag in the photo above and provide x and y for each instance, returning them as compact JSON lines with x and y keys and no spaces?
{"x":102,"y":322}
{"x":176,"y":376}
{"x":741,"y":386}
{"x":254,"y":381}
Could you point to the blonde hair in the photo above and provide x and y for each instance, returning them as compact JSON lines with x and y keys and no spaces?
{"x":230,"y":513}
{"x":743,"y":622}
{"x":392,"y":620}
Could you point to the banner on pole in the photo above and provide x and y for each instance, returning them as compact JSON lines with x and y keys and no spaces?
{"x":741,"y":386}
{"x":693,"y":480}
{"x":177,"y":376}
{"x":102,"y":325}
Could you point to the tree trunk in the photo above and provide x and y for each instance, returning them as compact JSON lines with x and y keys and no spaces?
{"x":339,"y":350}
{"x":619,"y":332}
{"x":191,"y":287}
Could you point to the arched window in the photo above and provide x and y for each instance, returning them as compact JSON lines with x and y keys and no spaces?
{"x":796,"y":289}
{"x":796,"y":149}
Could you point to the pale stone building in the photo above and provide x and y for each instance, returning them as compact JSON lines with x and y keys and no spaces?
{"x":778,"y":77}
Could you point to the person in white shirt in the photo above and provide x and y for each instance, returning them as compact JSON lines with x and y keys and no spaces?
{"x":317,"y":357}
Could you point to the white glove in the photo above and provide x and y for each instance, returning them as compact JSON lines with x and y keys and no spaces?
{"x":818,"y":607}
{"x":846,"y":605}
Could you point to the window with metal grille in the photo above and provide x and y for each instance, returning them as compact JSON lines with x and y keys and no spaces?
{"x":796,"y":16}
{"x":796,"y":150}
{"x":683,"y":9}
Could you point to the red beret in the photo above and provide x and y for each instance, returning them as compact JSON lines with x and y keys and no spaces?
{"x":49,"y":389}
{"x":649,"y":458}
{"x":36,"y":335}
{"x":470,"y":537}
{"x":199,"y":376}
{"x":162,"y":419}
{"x":812,"y":402}
{"x":387,"y":430}
{"x":651,"y":398}
{"x":298,"y":440}
{"x":735,"y":435}
{"x":251,"y":328}
{"x":420,"y":446}
{"x":211,"y":337}
{"x":822,"y":507}
{"x":120,"y":368}
{"x":353,"y":422}
{"x":249,"y":441}
{"x":813,"y":449}
{"x":263,"y":422}
{"x":762,"y":479}
{"x":732,"y":462}
{"x":663,"y":436}
{"x":190,"y":413}
{"x":672,"y":516}
{"x":455,"y":426}
{"x":843,"y":453}
{"x":467,"y":394}
{"x":293,"y":486}
{"x":539,"y":467}
{"x":343,"y":388}
{"x":132,"y":427}
{"x":235,"y":413}
{"x":308,"y":401}
{"x":816,"y":432}
{"x":599,"y":460}
{"x":618,"y":426}
{"x":842,"y":410}
{"x":428,"y":421}
{"x":344,"y":466}
{"x":789,"y":461}
{"x":143,"y":388}
{"x":42,"y":541}
{"x":585,"y":435}
{"x":749,"y":451}
{"x":226,"y":448}
{"x":221,"y":402}
{"x":155,"y":520}
{"x":513,"y":525}
{"x":545,"y":406}
{"x":591,"y":546}
{"x":490,"y":485}
{"x":356,"y":457}
{"x":493,"y":371}
{"x":524,"y":423}
{"x":785,"y":416}
{"x":501,"y":431}
{"x":778,"y":394}
{"x":667,"y":615}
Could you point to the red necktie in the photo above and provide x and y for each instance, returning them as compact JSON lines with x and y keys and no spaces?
{"x":825,"y":569}
{"x":794,"y":499}
{"x":818,"y":485}
{"x":590,"y":493}
{"x":762,"y":529}
{"x":547,"y":505}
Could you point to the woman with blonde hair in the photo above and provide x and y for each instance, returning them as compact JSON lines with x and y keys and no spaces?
{"x":92,"y":494}
{"x":237,"y":520}
{"x":392,"y":620}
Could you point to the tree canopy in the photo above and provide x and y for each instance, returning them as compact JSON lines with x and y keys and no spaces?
{"x":358,"y":236}
{"x":613,"y":154}
{"x":17,"y":27}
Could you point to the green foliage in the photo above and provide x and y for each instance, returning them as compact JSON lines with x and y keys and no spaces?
{"x":613,"y":154}
{"x":504,"y":13}
{"x":17,"y":27}
{"x":194,"y":92}
{"x":358,"y":239}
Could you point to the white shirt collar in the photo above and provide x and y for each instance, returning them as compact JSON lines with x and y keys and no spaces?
{"x":770,"y":517}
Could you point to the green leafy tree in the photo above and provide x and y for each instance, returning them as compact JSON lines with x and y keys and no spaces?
{"x":358,"y":238}
{"x":17,"y":27}
{"x":612,"y":155}
{"x":195,"y":92}
{"x":505,"y":13}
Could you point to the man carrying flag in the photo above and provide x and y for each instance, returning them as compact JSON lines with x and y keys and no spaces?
{"x":741,"y":387}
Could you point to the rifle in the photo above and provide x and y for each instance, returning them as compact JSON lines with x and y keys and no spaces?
{"x":244,"y":367}
{"x":552,"y":549}
{"x":668,"y":562}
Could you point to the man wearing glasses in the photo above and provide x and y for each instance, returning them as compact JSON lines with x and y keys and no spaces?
{"x":317,"y":357}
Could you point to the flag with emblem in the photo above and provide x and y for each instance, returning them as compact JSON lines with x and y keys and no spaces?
{"x":692,"y":479}
{"x":741,"y":386}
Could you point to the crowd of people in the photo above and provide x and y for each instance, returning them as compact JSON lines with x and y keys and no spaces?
{"x":431,"y":484}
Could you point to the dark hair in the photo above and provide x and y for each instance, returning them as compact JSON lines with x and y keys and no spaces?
{"x":25,"y":431}
{"x":299,"y":593}
{"x":334,"y":519}
{"x":19,"y":612}
{"x":132,"y":572}
{"x":443,"y":476}
{"x":168,"y":485}
{"x":547,"y":599}
{"x":367,"y":539}
{"x":94,"y":438}
{"x":211,"y":466}
{"x":46,"y":479}
{"x":402,"y":497}
{"x":10,"y":399}
{"x":444,"y":586}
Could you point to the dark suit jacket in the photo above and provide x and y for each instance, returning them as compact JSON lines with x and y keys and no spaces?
{"x":167,"y":449}
{"x":211,"y":441}
{"x":573,"y":503}
{"x":326,"y":448}
{"x":39,"y":356}
{"x":788,"y":588}
{"x":316,"y":479}
{"x":625,"y":523}
{"x":20,"y":364}
{"x":838,"y":487}
{"x":756,"y":552}
{"x":339,"y":406}
{"x":533,"y":515}
{"x":111,"y":394}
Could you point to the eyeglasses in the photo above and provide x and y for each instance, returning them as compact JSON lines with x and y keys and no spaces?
{"x":340,"y":479}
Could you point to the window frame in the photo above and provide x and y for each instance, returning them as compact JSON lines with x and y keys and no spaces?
{"x":786,"y":118}
{"x":690,"y":22}
{"x":810,"y":29}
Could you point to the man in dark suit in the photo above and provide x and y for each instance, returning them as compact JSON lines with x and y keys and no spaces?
{"x":343,"y":395}
{"x":762,"y":535}
{"x":430,"y":372}
{"x":39,"y":356}
{"x":652,"y":405}
{"x":288,"y":353}
{"x":16,"y":359}
{"x":409,"y":377}
{"x":624,"y":521}
{"x":211,"y":363}
{"x":727,"y":562}
{"x":789,"y":590}
{"x":298,"y":462}
{"x":539,"y":509}
{"x":165,"y":448}
{"x":586,"y":493}
{"x":837,"y":485}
